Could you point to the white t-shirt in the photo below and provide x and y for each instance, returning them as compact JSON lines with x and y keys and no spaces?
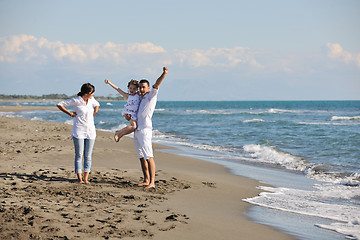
{"x":146,"y":109}
{"x":84,"y":127}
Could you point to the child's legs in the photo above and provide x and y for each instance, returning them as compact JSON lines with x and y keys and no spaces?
{"x":89,"y":145}
{"x":126,"y":130}
{"x":79,"y":149}
{"x":133,"y":124}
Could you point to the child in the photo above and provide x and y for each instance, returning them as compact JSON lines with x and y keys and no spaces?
{"x":130,"y":108}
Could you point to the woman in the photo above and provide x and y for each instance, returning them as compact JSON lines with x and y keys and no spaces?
{"x":83,"y":132}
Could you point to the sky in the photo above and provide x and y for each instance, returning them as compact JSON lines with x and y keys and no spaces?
{"x":215,"y":50}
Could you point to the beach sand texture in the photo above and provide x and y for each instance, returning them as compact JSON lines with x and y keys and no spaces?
{"x":41,"y":199}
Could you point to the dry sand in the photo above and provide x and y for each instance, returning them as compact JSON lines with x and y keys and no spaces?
{"x":41,"y":199}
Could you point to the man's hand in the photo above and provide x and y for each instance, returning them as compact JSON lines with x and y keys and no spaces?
{"x":165,"y":69}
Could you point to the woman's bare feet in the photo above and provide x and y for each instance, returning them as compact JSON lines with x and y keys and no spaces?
{"x":79,"y":176}
{"x":86,"y":177}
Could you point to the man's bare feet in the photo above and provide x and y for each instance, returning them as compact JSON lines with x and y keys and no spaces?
{"x":150,"y":186}
{"x":143,"y":184}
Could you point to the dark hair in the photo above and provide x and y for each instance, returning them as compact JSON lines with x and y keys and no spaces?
{"x":86,"y":88}
{"x":145,"y":81}
{"x":133,"y":82}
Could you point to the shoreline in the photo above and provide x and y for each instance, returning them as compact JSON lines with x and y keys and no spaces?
{"x":194,"y":199}
{"x":53,"y":100}
{"x":20,"y":108}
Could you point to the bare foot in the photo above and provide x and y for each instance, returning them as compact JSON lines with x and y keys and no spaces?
{"x":87,"y":182}
{"x":116,"y":137}
{"x":143,"y":184}
{"x":80,"y":178}
{"x":150,"y":186}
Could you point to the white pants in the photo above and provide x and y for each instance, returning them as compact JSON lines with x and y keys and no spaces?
{"x":142,"y":143}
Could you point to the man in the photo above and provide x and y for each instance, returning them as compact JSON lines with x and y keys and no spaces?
{"x":143,"y":133}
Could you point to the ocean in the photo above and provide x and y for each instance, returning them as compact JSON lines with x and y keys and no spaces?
{"x":308,"y":151}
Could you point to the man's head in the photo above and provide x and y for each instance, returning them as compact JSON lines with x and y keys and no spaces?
{"x":144,"y":86}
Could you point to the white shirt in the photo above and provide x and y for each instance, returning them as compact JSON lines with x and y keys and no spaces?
{"x":83,"y":127}
{"x":146,"y":109}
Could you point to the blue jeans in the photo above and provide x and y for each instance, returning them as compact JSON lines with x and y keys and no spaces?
{"x":83,"y":147}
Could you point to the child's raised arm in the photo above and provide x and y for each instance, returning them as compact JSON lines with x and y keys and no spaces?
{"x":124,"y":94}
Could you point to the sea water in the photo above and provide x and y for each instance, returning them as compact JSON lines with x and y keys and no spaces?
{"x":309,"y":151}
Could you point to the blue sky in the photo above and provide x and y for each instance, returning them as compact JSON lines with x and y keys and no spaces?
{"x":215,"y":50}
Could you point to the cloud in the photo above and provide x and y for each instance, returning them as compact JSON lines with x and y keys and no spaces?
{"x":43,"y":66}
{"x":217,"y":57}
{"x":26,"y":48}
{"x":29,"y":49}
{"x":335,"y":51}
{"x":32,"y":50}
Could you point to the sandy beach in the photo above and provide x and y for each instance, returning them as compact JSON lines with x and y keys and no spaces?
{"x":41,"y":199}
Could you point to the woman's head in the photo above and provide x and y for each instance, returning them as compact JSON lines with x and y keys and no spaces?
{"x":86,"y":88}
{"x":133,"y":86}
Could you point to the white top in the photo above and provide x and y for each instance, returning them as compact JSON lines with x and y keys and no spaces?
{"x":132,"y":105}
{"x":146,"y":109}
{"x":83,"y":127}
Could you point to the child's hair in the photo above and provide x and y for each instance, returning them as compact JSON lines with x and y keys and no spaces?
{"x":86,"y":88}
{"x":133,"y":82}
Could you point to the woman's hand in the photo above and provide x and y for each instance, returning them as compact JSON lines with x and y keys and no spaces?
{"x":63,"y":109}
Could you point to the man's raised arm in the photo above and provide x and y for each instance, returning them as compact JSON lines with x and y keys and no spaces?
{"x":161,"y":78}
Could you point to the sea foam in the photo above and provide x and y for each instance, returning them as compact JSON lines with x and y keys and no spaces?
{"x":317,"y":203}
{"x":270,"y":155}
{"x":340,"y":118}
{"x":255,"y":120}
